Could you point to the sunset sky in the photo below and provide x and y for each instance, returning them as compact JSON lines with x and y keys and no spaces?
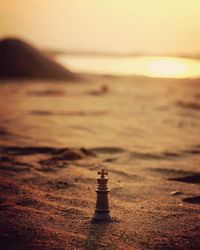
{"x":147,"y":26}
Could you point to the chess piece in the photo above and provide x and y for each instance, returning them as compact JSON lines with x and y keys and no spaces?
{"x":102,"y":212}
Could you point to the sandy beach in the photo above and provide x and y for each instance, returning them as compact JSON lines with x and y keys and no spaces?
{"x":55,"y":136}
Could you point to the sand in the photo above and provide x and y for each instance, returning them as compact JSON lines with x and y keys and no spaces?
{"x":54,"y":137}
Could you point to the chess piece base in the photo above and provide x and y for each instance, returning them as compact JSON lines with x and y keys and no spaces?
{"x":101,"y":217}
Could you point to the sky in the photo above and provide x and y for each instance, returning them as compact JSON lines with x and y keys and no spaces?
{"x":122,"y":26}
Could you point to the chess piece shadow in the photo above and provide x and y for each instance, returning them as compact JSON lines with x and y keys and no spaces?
{"x":95,"y":238}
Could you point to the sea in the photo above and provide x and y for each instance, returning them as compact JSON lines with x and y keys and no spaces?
{"x":152,"y":66}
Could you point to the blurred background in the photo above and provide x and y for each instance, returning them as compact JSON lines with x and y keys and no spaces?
{"x":108,"y":36}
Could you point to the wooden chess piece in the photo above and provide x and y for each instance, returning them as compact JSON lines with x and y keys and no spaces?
{"x":102,"y":212}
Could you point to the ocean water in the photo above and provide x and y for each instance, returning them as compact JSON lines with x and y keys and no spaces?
{"x":167,"y":67}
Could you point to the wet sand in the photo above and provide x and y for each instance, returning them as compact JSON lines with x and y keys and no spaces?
{"x":54,"y":137}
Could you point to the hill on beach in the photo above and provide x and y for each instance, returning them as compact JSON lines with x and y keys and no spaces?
{"x":18,"y":59}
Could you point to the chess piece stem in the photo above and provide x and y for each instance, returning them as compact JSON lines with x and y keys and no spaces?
{"x":102,"y":212}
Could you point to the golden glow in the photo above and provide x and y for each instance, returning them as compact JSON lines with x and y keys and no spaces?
{"x":167,"y":68}
{"x":173,"y":67}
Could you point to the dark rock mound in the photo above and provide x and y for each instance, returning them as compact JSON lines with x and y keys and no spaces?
{"x":194,"y":178}
{"x":19,"y":59}
{"x":193,"y":200}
